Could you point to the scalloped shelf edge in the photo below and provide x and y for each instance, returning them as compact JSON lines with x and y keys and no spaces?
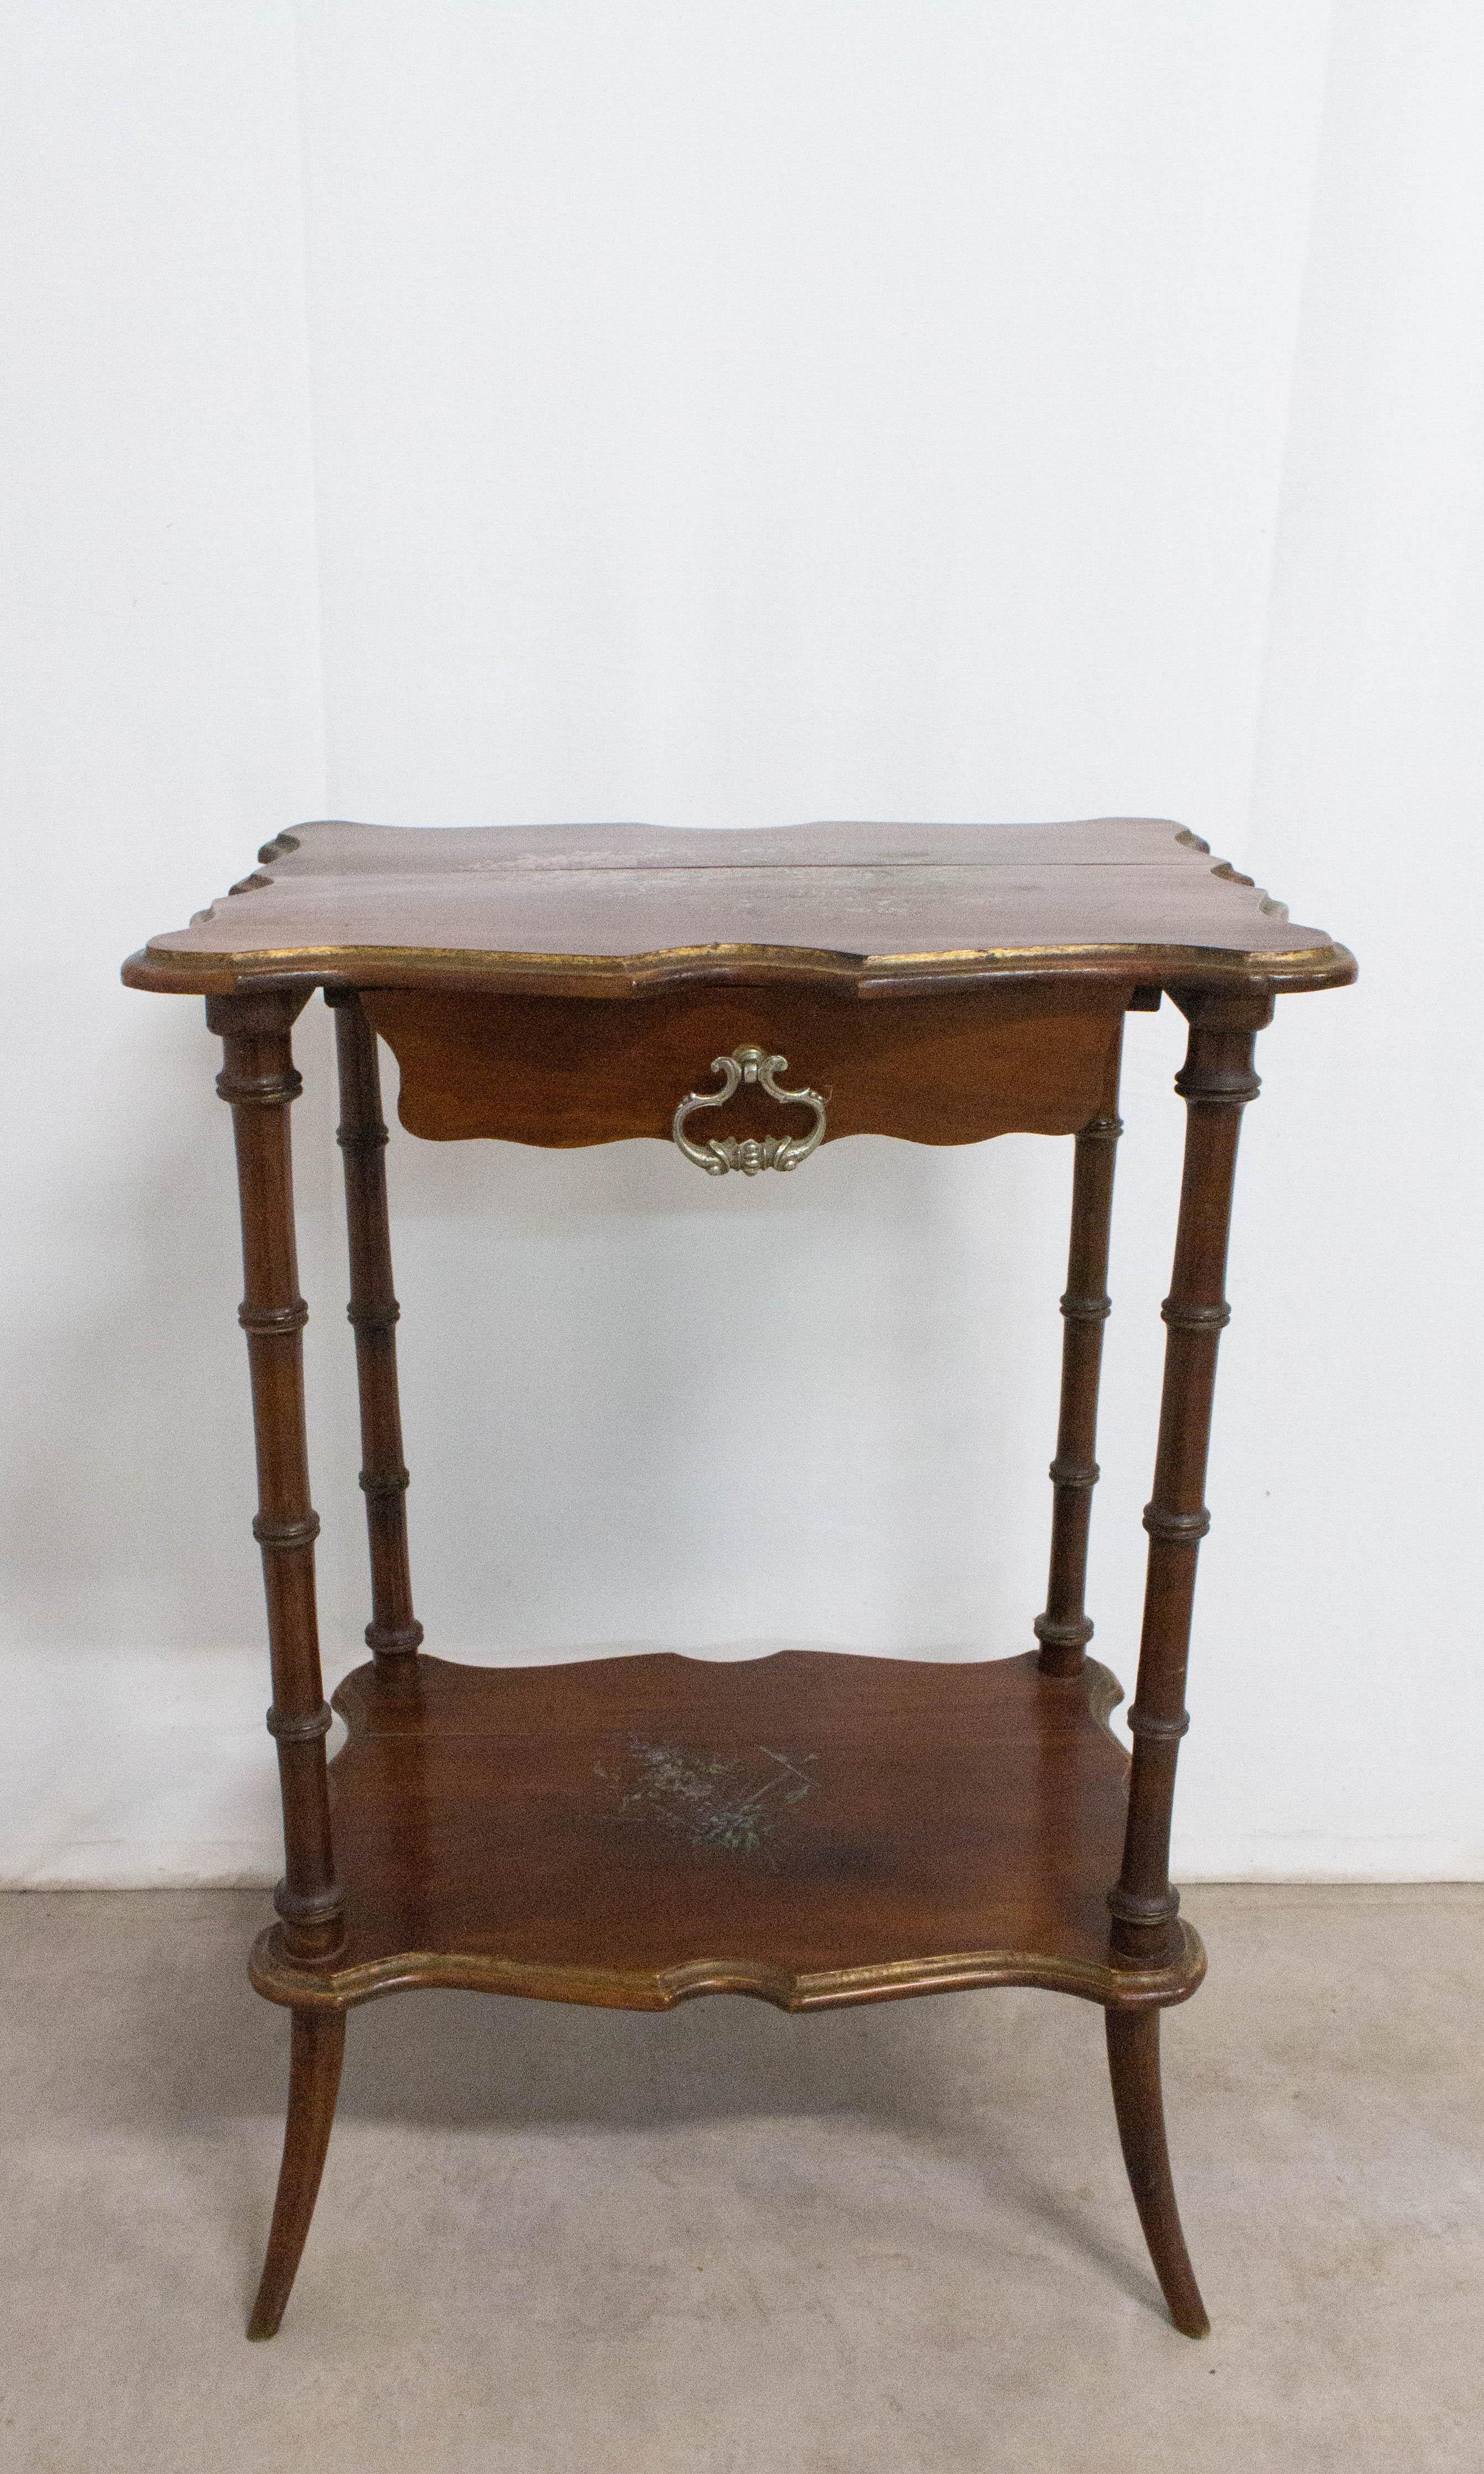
{"x":1115,"y":1988}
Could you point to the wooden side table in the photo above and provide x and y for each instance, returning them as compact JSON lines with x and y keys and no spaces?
{"x":810,"y":1827}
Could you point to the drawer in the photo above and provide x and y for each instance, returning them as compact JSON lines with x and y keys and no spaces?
{"x":566,"y":1071}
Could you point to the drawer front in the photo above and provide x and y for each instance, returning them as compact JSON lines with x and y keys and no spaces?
{"x":566,"y":1071}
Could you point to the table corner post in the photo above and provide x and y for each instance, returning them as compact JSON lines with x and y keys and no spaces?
{"x":259,"y":1083}
{"x":1216,"y":1082}
{"x":1065,"y":1628}
{"x":394,"y":1634}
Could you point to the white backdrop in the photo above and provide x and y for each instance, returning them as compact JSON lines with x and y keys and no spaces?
{"x":454,"y":413}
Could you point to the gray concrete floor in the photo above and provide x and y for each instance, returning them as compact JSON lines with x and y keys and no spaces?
{"x":727,"y":2242}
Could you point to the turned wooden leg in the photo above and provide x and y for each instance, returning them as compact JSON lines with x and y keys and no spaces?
{"x":393,"y":1633}
{"x":1064,"y":1630}
{"x":1133,"y":2067}
{"x":315,"y":2056}
{"x":260,"y":1081}
{"x":1216,"y":1082}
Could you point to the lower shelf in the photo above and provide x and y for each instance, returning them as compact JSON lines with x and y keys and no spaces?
{"x":811,"y":1828}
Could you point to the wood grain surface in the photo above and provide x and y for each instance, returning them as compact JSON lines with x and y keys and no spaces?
{"x":613,"y":909}
{"x":812,"y":1828}
{"x":986,"y":1060}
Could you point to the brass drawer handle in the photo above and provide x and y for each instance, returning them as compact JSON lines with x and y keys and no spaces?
{"x":724,"y":1150}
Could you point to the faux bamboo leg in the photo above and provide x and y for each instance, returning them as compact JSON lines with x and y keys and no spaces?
{"x":315,"y":2056}
{"x":1133,"y":2067}
{"x":393,"y":1632}
{"x":1064,"y":1630}
{"x":1216,"y":1082}
{"x":259,"y":1081}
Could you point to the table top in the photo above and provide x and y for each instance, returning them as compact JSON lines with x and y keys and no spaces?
{"x":621,"y":910}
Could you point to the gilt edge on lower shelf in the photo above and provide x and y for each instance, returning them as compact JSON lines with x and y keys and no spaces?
{"x":1114,"y":1988}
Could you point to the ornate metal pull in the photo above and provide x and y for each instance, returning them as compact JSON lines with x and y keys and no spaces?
{"x":724,"y":1150}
